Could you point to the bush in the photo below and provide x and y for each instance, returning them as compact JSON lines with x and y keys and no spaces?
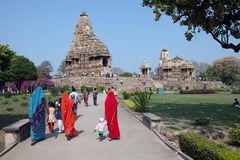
{"x":64,"y":89}
{"x":235,"y":135}
{"x":89,"y":89}
{"x":54,"y":91}
{"x":24,"y":104}
{"x":100,"y":88}
{"x":23,"y":92}
{"x":23,"y":97}
{"x":218,"y":89}
{"x":198,"y":91}
{"x":200,"y":148}
{"x":125,"y":95}
{"x":4,"y":102}
{"x":130,"y":104}
{"x":141,"y":100}
{"x":15,"y":99}
{"x":7,"y":94}
{"x":236,"y":90}
{"x":9,"y":109}
{"x":203,"y":121}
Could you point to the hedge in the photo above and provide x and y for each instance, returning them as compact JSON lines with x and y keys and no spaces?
{"x":198,"y":91}
{"x":200,"y":148}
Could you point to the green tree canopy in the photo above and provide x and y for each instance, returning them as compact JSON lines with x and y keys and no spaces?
{"x":219,"y":18}
{"x":21,"y":69}
{"x":6,"y":54}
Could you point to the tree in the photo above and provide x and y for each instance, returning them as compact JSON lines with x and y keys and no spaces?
{"x":6,"y":55}
{"x":62,"y":66}
{"x":227,"y":69}
{"x":219,"y":18}
{"x":126,"y":74}
{"x":21,"y":69}
{"x":200,"y":68}
{"x":118,"y":71}
{"x":44,"y":69}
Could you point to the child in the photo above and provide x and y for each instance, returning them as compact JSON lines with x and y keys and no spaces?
{"x":74,"y":104}
{"x":100,"y":128}
{"x":59,"y":115}
{"x":51,"y":116}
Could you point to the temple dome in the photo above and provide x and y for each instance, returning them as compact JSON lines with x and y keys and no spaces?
{"x":145,"y":65}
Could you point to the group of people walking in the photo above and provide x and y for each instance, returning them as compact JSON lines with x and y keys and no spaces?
{"x":64,"y":111}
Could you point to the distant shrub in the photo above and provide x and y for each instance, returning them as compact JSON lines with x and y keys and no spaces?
{"x":203,"y":121}
{"x":54,"y":91}
{"x":24,"y":104}
{"x":4,"y":102}
{"x":23,"y":92}
{"x":200,"y":148}
{"x":23,"y":97}
{"x":179,"y":88}
{"x":236,"y":90}
{"x":235,"y":135}
{"x":64,"y":88}
{"x":9,"y":109}
{"x":7,"y":94}
{"x":125,"y":95}
{"x":218,"y":89}
{"x":15,"y":99}
{"x":100,"y":88}
{"x":89,"y":89}
{"x":198,"y":91}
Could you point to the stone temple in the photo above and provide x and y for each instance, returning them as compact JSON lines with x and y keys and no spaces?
{"x":175,"y":69}
{"x":87,"y":54}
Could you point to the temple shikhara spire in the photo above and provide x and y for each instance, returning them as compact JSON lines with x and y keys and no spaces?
{"x":87,"y":54}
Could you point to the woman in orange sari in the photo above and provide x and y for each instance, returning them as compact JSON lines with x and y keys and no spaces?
{"x":68,"y":116}
{"x":111,"y":115}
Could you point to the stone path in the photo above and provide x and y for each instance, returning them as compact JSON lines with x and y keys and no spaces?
{"x":137,"y":142}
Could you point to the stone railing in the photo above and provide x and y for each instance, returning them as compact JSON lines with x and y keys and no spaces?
{"x":17,"y":132}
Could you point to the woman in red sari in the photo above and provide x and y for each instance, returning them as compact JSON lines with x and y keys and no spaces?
{"x":68,"y":116}
{"x":111,"y":115}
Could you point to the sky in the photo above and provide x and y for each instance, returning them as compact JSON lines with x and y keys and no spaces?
{"x":43,"y":30}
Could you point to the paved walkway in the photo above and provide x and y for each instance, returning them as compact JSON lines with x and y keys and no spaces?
{"x":137,"y":142}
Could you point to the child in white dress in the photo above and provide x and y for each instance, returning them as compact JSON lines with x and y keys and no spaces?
{"x":100,"y":128}
{"x":51,"y":116}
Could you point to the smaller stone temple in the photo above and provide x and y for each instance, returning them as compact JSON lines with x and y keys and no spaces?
{"x":87,"y":54}
{"x":175,"y":69}
{"x":145,"y":69}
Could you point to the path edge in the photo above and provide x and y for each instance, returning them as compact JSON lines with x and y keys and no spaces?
{"x":161,"y":137}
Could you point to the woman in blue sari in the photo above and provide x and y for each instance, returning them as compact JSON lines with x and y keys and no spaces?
{"x":37,"y":115}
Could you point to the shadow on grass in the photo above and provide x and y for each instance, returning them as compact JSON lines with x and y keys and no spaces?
{"x":219,"y":114}
{"x":7,"y":119}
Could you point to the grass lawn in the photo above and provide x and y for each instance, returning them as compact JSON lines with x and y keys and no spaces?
{"x":179,"y":112}
{"x":16,"y":108}
{"x":184,"y":109}
{"x":13,"y":109}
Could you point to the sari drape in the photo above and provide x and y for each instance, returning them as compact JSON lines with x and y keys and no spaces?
{"x":37,"y":114}
{"x":68,"y":116}
{"x":111,"y":115}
